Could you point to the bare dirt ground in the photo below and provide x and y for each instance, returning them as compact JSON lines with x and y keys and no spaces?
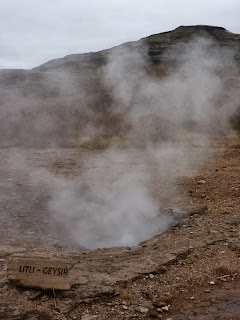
{"x":190,"y":272}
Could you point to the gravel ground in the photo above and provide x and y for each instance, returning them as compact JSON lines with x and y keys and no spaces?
{"x":199,"y":281}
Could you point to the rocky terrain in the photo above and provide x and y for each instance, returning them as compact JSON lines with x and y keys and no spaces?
{"x":191,"y":271}
{"x":145,"y":125}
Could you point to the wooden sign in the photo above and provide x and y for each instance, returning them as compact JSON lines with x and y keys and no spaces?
{"x":40,"y":272}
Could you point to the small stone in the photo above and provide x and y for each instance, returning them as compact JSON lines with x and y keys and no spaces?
{"x":151,"y":276}
{"x":143,"y":309}
{"x":166,"y":308}
{"x":124,"y":307}
{"x":192,"y":298}
{"x":202,"y":181}
{"x":208,"y":291}
{"x":212,"y":283}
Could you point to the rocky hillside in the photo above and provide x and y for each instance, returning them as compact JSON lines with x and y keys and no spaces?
{"x":157,"y":44}
{"x":59,"y":86}
{"x":87,"y":65}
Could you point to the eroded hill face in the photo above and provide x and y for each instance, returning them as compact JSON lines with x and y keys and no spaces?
{"x":157,"y":46}
{"x":103,"y":96}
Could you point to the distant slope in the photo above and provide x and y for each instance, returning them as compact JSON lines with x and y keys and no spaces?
{"x":157,"y":45}
{"x":85,"y":67}
{"x":60,"y":100}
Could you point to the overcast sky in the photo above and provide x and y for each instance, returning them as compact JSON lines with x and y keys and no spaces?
{"x":33,"y":32}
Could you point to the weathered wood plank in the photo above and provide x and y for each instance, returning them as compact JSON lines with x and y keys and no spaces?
{"x":40,"y":272}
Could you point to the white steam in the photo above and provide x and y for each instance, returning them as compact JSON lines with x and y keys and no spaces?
{"x":122,"y":214}
{"x":118,"y":201}
{"x":166,"y":117}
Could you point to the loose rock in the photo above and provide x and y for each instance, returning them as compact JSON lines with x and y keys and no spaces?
{"x":166,"y":308}
{"x":202,"y":182}
{"x":143,"y":309}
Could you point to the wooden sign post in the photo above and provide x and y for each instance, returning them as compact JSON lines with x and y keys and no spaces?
{"x":40,"y":272}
